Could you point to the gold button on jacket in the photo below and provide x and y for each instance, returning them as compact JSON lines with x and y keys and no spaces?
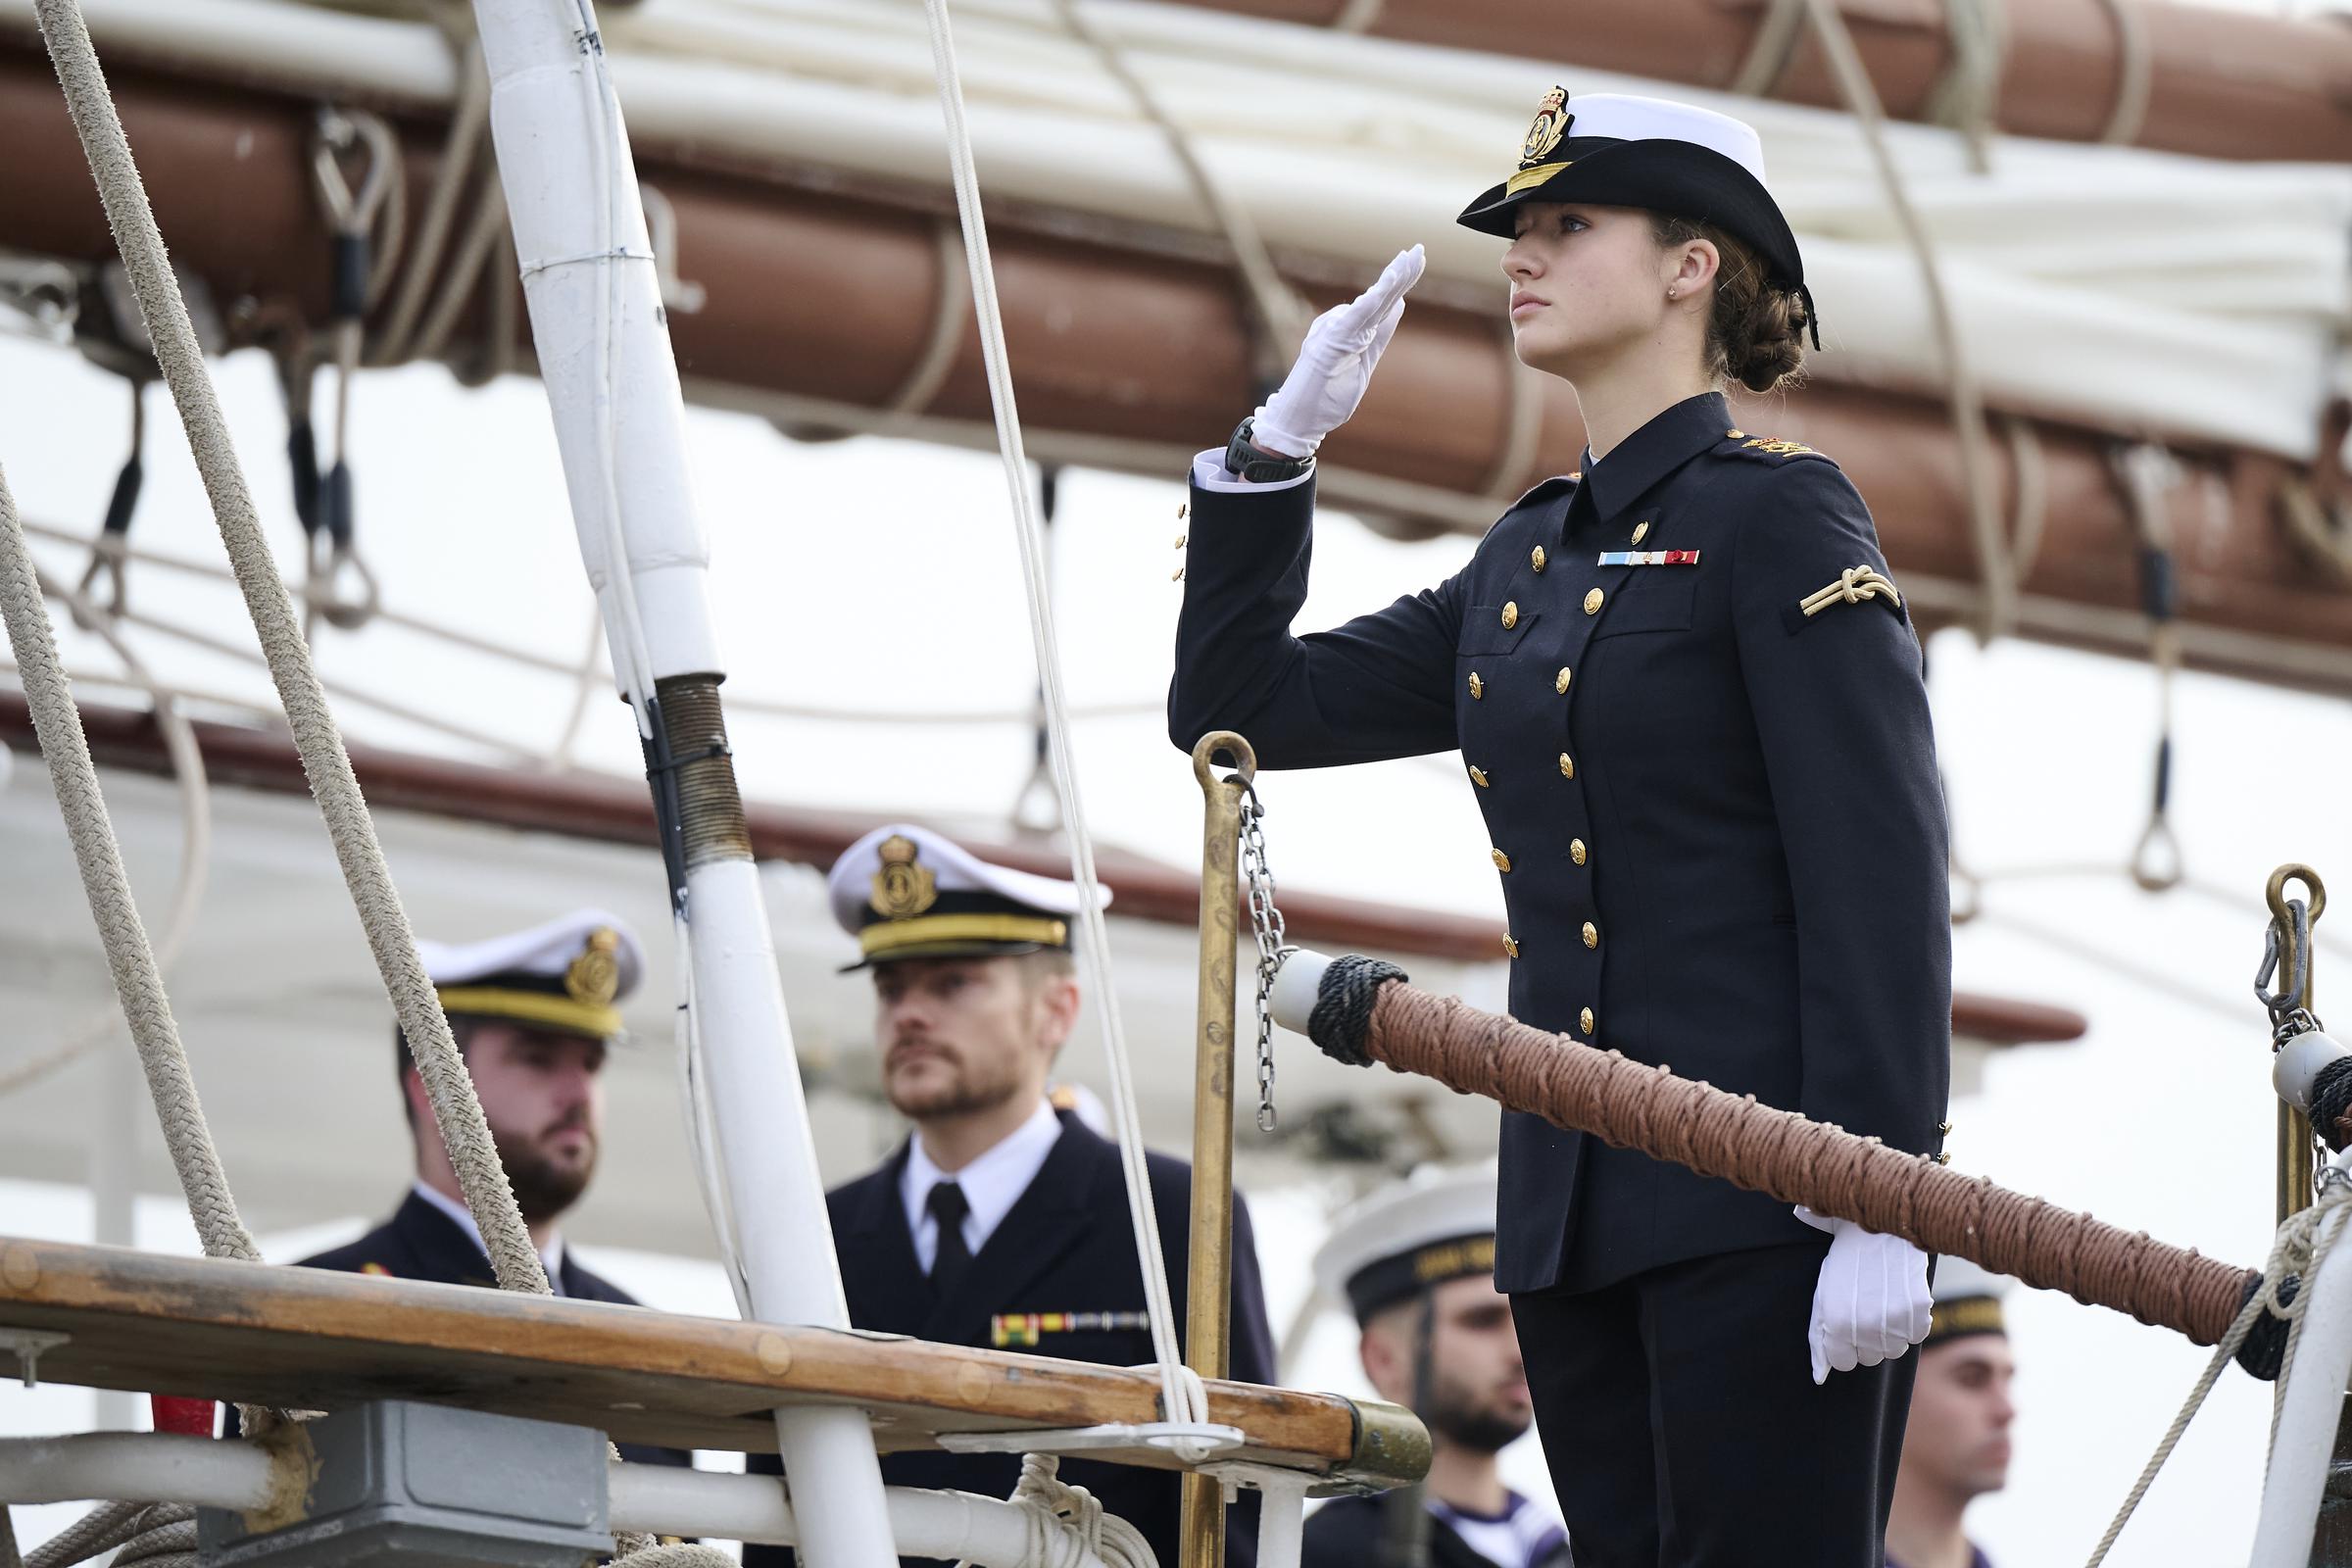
{"x":1559,"y":682}
{"x":1576,"y":851}
{"x":1592,"y":935}
{"x":1502,"y":862}
{"x":1584,"y":1020}
{"x":1593,"y":601}
{"x":1510,"y":615}
{"x":1536,"y":558}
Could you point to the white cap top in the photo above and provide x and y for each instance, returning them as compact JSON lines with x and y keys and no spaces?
{"x":1630,"y":118}
{"x":952,"y":869}
{"x":547,"y":951}
{"x":1958,"y":1280}
{"x":1433,"y":1206}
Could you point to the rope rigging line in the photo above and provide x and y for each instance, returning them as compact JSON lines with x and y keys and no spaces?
{"x":345,"y":810}
{"x":195,"y":851}
{"x":2301,"y":1245}
{"x":1962,"y":395}
{"x":1181,"y":1400}
{"x":1277,"y":312}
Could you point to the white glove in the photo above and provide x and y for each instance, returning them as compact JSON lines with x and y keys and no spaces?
{"x":1335,"y":364}
{"x":1871,"y":1302}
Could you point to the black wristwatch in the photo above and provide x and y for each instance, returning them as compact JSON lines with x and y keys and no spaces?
{"x":1254,"y":463}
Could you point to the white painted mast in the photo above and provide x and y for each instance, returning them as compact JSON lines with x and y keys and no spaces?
{"x":612,"y":383}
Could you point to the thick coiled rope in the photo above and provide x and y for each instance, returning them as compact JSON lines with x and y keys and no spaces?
{"x":1632,"y":1105}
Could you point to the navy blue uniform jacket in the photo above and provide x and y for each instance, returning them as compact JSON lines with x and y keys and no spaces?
{"x":1066,"y":1246}
{"x":421,"y":1242}
{"x":1717,"y":820}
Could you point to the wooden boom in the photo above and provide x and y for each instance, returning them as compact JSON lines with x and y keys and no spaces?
{"x":310,"y":1338}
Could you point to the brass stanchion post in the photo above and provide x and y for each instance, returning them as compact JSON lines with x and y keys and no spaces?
{"x":1207,"y":1318}
{"x":2297,"y":1158}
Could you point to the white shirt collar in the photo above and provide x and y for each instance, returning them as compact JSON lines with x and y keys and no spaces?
{"x":992,"y":1183}
{"x":551,"y":1256}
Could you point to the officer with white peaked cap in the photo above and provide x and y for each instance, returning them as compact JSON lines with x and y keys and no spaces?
{"x":1001,"y":1222}
{"x":533,"y":1013}
{"x":1416,"y":1263}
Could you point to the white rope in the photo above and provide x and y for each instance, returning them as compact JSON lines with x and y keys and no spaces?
{"x":166,"y":317}
{"x":195,"y":845}
{"x":2302,"y":1244}
{"x":1176,"y":1397}
{"x":138,"y":980}
{"x":1961,"y":392}
{"x":1067,"y":1523}
{"x":1281,"y":316}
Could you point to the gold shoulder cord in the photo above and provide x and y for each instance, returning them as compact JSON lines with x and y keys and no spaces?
{"x":1853,"y":585}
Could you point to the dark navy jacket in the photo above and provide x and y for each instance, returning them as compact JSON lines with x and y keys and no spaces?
{"x":1066,"y":1246}
{"x":421,"y":1242}
{"x":1717,"y":819}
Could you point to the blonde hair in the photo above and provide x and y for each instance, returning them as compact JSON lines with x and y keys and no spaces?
{"x":1755,"y":334}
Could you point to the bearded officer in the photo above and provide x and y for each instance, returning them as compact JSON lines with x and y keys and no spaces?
{"x":1001,"y":1222}
{"x":533,"y":1013}
{"x":1415,"y":1262}
{"x":1956,"y":1446}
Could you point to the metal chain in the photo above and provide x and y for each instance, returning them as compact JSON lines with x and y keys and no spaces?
{"x":1265,"y":921}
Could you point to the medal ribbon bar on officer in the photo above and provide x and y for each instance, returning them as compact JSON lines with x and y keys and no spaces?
{"x":1649,"y":557}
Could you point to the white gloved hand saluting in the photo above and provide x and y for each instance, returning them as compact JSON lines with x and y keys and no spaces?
{"x":1335,"y":364}
{"x":1871,"y":1302}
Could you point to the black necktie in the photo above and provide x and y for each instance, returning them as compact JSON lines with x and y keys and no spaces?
{"x":953,"y":1259}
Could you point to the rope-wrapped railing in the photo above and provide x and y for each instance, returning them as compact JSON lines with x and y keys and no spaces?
{"x":1361,"y":1010}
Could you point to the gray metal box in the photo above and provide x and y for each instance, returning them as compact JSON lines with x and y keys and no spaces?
{"x":418,"y":1486}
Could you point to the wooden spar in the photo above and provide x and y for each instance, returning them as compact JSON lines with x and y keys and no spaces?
{"x":1136,"y":344}
{"x":2220,"y":83}
{"x":300,"y":1337}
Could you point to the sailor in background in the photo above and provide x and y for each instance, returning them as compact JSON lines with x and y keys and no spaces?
{"x":1001,"y":1222}
{"x":1956,"y":1447}
{"x":1415,"y":1262}
{"x":534,"y":1013}
{"x":1690,"y":706}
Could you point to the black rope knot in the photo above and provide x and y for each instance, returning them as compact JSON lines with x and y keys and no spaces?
{"x":2330,"y":1097}
{"x":1343,"y":1014}
{"x":2264,"y":1351}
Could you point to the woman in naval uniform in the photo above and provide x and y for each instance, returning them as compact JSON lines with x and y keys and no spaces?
{"x":1690,"y":705}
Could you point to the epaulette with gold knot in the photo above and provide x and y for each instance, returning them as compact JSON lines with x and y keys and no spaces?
{"x":1765,"y":447}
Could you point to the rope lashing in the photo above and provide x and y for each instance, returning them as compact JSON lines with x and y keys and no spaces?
{"x":1342,"y":1016}
{"x":1715,"y":1133}
{"x":110,"y":549}
{"x":352,"y":216}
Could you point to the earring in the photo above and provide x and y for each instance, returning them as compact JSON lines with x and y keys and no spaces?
{"x":1673,"y":293}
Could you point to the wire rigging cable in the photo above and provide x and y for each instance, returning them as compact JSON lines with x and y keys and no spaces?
{"x":1182,"y":1397}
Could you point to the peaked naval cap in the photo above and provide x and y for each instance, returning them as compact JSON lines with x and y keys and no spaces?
{"x":905,"y":892}
{"x":568,"y":975}
{"x":1619,"y":150}
{"x":1434,"y":1226}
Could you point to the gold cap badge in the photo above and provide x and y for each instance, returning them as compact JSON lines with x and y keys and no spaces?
{"x":903,"y":889}
{"x":593,"y":979}
{"x":1550,"y":124}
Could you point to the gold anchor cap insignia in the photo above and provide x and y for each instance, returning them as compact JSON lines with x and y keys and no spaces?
{"x":593,"y":979}
{"x":1545,"y":131}
{"x":903,"y":889}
